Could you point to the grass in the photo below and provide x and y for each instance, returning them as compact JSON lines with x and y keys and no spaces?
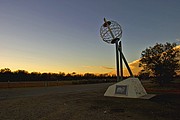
{"x":48,"y":83}
{"x":150,"y":87}
{"x":173,"y":87}
{"x":33,"y":84}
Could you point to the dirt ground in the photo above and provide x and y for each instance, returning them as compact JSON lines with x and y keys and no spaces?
{"x":89,"y":106}
{"x":83,"y":102}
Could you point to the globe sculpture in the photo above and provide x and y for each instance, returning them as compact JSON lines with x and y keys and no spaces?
{"x":131,"y":87}
{"x":110,"y":31}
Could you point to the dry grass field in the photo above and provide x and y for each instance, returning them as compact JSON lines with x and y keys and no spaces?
{"x":33,"y":84}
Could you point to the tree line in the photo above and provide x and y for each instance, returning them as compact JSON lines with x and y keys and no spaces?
{"x":6,"y":75}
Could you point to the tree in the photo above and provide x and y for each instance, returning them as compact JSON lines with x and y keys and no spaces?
{"x":5,"y":75}
{"x":21,"y":75}
{"x":160,"y":61}
{"x":5,"y":70}
{"x":89,"y":75}
{"x":144,"y":75}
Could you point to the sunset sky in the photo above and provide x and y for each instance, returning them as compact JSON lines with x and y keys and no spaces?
{"x":63,"y":35}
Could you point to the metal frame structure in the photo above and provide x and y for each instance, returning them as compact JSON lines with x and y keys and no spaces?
{"x":111,"y":33}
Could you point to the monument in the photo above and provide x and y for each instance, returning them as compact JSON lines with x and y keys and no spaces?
{"x":131,"y":87}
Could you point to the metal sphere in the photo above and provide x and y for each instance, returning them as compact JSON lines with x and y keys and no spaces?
{"x":106,"y":33}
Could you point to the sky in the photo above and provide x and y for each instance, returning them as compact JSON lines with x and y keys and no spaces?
{"x":64,"y":35}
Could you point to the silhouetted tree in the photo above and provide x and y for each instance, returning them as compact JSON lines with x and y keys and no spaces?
{"x":21,"y":75}
{"x":69,"y":76}
{"x":61,"y":76}
{"x":5,"y":70}
{"x":89,"y":75}
{"x":160,"y":61}
{"x":144,"y":75}
{"x":6,"y":75}
{"x":35,"y":76}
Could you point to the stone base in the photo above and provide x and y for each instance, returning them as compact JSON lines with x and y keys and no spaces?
{"x":128,"y":88}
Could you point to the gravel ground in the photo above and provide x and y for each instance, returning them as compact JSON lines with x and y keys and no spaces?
{"x":85,"y":103}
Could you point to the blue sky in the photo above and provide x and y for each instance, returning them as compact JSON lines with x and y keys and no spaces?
{"x":63,"y":35}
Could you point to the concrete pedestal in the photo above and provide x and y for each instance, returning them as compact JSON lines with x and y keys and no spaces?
{"x":128,"y":88}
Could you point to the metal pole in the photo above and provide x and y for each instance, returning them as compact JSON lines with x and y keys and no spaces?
{"x":126,"y":63}
{"x":117,"y":60}
{"x":121,"y":62}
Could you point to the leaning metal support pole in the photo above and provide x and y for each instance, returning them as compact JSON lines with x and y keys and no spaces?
{"x":121,"y":62}
{"x":129,"y":70}
{"x":117,"y":60}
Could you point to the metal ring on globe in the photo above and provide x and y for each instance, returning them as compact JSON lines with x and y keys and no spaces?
{"x":109,"y":28}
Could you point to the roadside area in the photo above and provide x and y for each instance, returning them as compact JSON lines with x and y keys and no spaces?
{"x":86,"y":102}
